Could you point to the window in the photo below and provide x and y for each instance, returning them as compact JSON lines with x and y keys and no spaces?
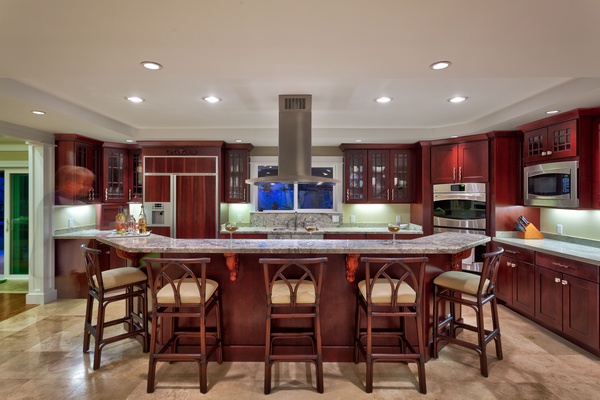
{"x":291,"y":197}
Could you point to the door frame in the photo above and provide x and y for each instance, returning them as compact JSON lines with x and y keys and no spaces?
{"x":9,"y":168}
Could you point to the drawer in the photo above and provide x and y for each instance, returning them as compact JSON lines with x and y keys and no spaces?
{"x":571,"y":267}
{"x":515,"y":252}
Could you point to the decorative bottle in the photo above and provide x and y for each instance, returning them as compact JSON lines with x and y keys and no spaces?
{"x":142,"y":221}
{"x":121,"y":222}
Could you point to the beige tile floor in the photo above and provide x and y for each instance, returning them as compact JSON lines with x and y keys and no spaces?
{"x":41,"y":358}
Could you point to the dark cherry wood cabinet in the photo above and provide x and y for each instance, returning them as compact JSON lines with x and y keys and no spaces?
{"x":72,"y":149}
{"x":550,"y":142}
{"x":460,"y":162}
{"x":379,"y":173}
{"x":237,"y":170}
{"x":116,"y":174}
{"x":596,"y":162}
{"x":567,"y":298}
{"x":516,"y":278}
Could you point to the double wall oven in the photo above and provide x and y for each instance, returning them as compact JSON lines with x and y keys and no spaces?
{"x":461,"y":207}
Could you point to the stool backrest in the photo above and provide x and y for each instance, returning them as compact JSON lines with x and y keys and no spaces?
{"x":93,"y":271}
{"x":294,"y":273}
{"x":395,"y":271}
{"x":489,"y":271}
{"x":173,"y":273}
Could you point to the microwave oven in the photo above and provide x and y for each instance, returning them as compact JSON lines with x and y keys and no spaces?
{"x":551,"y":184}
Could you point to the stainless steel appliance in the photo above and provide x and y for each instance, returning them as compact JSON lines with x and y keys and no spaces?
{"x":459,"y":208}
{"x":551,"y":184}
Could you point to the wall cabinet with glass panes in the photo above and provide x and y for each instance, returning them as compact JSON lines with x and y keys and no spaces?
{"x":296,"y":197}
{"x":237,"y":170}
{"x":378,"y":173}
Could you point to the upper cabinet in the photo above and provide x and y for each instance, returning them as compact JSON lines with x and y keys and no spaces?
{"x":376,"y":175}
{"x":460,"y":163}
{"x":116,"y":174}
{"x":237,"y":170}
{"x":550,"y":142}
{"x":80,"y":151}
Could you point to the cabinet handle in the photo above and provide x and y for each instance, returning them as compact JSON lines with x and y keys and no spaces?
{"x":91,"y":195}
{"x":347,"y":194}
{"x":388,"y":195}
{"x":129,"y":194}
{"x":564,"y":283}
{"x":513,"y":265}
{"x":106,"y":194}
{"x":393,"y":194}
{"x":560,"y":265}
{"x":454,"y":173}
{"x":549,"y":152}
{"x":244,"y":194}
{"x":459,"y":174}
{"x":544,"y":153}
{"x":557,"y":280}
{"x":511,"y":251}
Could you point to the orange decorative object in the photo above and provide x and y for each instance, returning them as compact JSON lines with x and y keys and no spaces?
{"x":232,"y":262}
{"x":456,"y":263}
{"x":531,"y":232}
{"x":351,"y":266}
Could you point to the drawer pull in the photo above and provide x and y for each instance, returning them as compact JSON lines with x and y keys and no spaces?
{"x":564,"y":283}
{"x":560,"y":265}
{"x":557,"y":280}
{"x":511,"y":251}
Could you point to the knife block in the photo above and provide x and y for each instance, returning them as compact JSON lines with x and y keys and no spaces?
{"x":531,"y":232}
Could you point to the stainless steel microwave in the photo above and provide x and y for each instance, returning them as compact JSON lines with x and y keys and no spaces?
{"x":551,"y":184}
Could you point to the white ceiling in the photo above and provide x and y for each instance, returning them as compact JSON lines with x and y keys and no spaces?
{"x":78,"y":59}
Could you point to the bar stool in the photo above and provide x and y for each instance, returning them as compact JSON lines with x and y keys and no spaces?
{"x":109,"y":286}
{"x":178,"y":293}
{"x":293,"y":292}
{"x":474,"y":291}
{"x":392,"y":293}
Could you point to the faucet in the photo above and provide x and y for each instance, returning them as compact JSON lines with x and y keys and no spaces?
{"x":295,"y":220}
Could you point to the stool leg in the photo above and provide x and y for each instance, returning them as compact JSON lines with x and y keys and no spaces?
{"x":481,"y":339}
{"x":152,"y":360}
{"x":319,"y":363}
{"x":369,"y":358}
{"x":267,"y":383}
{"x":89,"y":309}
{"x":357,"y":330}
{"x":421,"y":361}
{"x":436,"y":321}
{"x":99,"y":333}
{"x":203,"y":360}
{"x":496,"y":326}
{"x":219,"y":338}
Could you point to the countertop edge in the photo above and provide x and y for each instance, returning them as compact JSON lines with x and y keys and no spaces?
{"x":572,"y":251}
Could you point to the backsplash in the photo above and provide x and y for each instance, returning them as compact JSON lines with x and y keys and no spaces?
{"x":293,"y":220}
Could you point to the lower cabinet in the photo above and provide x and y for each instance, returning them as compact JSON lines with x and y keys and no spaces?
{"x":567,"y":298}
{"x":515,"y":285}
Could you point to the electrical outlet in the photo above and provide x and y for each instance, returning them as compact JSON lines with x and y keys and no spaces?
{"x":398,"y":219}
{"x":239,"y":217}
{"x":71,"y":222}
{"x":353,"y":218}
{"x":559,"y":229}
{"x":335,"y":218}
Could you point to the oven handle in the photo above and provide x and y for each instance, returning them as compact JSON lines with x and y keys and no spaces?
{"x":463,"y":196}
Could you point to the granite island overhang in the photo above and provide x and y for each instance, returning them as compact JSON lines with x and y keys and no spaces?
{"x":234,"y":265}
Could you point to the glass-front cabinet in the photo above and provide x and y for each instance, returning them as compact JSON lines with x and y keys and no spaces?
{"x":376,"y":175}
{"x":236,"y":172}
{"x":117,"y":174}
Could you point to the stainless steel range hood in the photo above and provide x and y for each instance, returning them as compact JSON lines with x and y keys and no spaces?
{"x":295,"y":143}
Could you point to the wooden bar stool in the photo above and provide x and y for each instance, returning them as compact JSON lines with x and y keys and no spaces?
{"x":109,"y":286}
{"x":391,"y":294}
{"x":293,"y":292}
{"x":474,"y":291}
{"x":179,"y":293}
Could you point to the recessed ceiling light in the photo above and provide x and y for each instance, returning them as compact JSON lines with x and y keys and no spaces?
{"x":151,"y":65}
{"x":135,"y":99}
{"x":453,"y":136}
{"x":38,"y":112}
{"x":238,"y":140}
{"x":552,"y":111}
{"x":212,"y":99}
{"x":358,"y":140}
{"x":457,"y":99}
{"x":129,"y":140}
{"x":383,"y":99}
{"x":440,"y":65}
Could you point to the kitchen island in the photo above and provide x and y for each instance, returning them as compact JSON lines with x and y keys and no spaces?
{"x":234,"y":264}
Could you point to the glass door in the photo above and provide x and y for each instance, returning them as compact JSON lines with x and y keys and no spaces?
{"x":14,"y":210}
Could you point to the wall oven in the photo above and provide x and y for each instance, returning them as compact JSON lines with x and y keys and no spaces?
{"x":551,"y":185}
{"x":459,"y":208}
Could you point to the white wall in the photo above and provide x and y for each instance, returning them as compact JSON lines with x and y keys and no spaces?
{"x":576,"y":223}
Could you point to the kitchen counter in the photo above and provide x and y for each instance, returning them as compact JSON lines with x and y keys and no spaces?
{"x":575,"y":251}
{"x":412,"y":229}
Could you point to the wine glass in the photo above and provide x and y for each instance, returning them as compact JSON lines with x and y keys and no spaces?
{"x":310,"y":225}
{"x":393,"y":227}
{"x":231,"y":227}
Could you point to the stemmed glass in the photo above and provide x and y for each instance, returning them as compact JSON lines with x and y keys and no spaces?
{"x":231,"y":227}
{"x":310,"y":225}
{"x":393,"y":227}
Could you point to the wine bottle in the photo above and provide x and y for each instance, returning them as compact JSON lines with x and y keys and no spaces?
{"x":121,"y":222}
{"x":142,"y":221}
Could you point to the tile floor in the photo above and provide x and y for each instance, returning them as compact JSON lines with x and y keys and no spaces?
{"x":41,"y":358}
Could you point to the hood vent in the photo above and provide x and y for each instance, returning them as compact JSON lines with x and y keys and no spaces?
{"x":295,"y":123}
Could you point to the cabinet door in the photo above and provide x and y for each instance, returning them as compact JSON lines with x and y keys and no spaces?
{"x":401,"y":185}
{"x":562,"y":140}
{"x":504,"y":281}
{"x":88,"y":156}
{"x":355,"y":176}
{"x":534,"y":143}
{"x":580,"y":313}
{"x":236,"y":173}
{"x":137,"y":175}
{"x":472,"y":162}
{"x":196,"y":207}
{"x":379,"y":175}
{"x":524,"y":287}
{"x":443,"y":164}
{"x":548,"y":299}
{"x":157,"y":188}
{"x":116,"y":173}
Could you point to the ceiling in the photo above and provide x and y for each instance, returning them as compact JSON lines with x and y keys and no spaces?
{"x":78,"y":60}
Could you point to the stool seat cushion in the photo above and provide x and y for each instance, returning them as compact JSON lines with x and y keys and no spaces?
{"x":281,"y":293}
{"x":120,"y":277}
{"x":188,"y":291}
{"x":461,"y":281}
{"x":382,"y":292}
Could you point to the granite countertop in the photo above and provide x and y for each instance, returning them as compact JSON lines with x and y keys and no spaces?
{"x":441,"y":243}
{"x":412,"y":229}
{"x":585,"y":251}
